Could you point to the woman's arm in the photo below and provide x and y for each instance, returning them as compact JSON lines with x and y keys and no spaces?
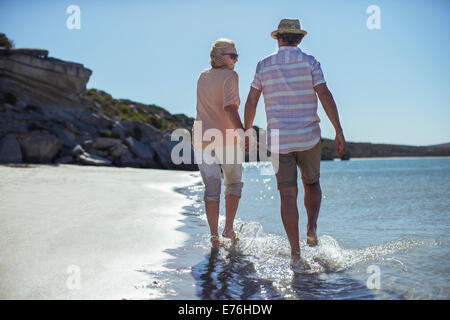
{"x":233,"y":114}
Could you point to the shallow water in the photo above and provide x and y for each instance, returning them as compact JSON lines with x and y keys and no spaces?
{"x":383,"y":234}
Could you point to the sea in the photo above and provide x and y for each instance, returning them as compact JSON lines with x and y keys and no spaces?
{"x":384,"y":231}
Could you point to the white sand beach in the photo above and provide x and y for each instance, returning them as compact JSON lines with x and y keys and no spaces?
{"x":83,"y":232}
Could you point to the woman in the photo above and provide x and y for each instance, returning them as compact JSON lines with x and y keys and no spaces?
{"x":217,"y":105}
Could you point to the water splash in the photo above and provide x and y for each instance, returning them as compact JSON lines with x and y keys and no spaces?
{"x":271,"y":252}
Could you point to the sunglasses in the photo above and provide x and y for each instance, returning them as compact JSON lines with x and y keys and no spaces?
{"x":233,"y":56}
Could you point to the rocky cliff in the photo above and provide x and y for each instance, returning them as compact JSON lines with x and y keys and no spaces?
{"x":48,"y":116}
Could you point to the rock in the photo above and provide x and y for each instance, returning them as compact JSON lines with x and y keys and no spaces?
{"x":92,"y":159}
{"x":10,"y":150}
{"x":86,"y":158}
{"x":141,"y":131}
{"x":39,"y":146}
{"x":39,"y":80}
{"x":105,"y":143}
{"x":70,"y":126}
{"x":127,"y":160}
{"x":118,"y":131}
{"x":11,"y":126}
{"x":119,"y":150}
{"x":66,"y":137}
{"x":78,"y":150}
{"x":20,"y":105}
{"x":141,"y":150}
{"x":94,"y":119}
{"x":163,"y":151}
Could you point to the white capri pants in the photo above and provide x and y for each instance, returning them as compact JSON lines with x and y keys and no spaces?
{"x":212,"y":178}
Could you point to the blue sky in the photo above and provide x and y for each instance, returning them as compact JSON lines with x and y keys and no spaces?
{"x":391,"y":85}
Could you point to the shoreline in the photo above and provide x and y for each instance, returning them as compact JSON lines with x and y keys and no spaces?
{"x":396,"y":158}
{"x":88,"y":224}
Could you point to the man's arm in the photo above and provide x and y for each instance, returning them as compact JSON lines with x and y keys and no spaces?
{"x":329,"y":105}
{"x":250,"y":107}
{"x":232,"y":112}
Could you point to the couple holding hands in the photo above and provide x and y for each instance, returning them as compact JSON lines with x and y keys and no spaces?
{"x":290,"y":82}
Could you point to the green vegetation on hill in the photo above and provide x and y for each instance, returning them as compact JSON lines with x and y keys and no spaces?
{"x":125,"y":109}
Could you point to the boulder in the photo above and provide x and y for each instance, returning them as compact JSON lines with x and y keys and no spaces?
{"x":10,"y":150}
{"x":81,"y":156}
{"x":92,"y":159}
{"x":78,"y":150}
{"x":141,"y":131}
{"x":39,"y":146}
{"x":119,"y":150}
{"x":140,"y":149}
{"x":127,"y":160}
{"x":163,"y":151}
{"x":66,"y":137}
{"x":118,"y":131}
{"x":105,"y":143}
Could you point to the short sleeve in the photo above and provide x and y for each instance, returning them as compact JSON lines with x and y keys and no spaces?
{"x":317,"y":74}
{"x":256,"y":83}
{"x":231,"y":91}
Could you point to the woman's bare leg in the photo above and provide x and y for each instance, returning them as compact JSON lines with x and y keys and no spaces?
{"x":231,"y":205}
{"x":212,"y":215}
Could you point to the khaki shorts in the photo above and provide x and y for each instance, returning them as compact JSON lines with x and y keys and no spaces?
{"x":308,"y":161}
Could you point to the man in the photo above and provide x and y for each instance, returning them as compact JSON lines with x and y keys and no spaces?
{"x":289,"y":80}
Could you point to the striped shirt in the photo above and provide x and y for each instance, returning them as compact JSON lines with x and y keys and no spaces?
{"x":287,"y":79}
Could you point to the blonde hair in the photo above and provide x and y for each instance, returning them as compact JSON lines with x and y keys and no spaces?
{"x":219,"y":47}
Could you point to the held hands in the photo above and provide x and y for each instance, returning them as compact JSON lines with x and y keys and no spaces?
{"x":250,"y":143}
{"x":339,"y":142}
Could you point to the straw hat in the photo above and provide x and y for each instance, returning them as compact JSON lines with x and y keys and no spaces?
{"x":288,"y":26}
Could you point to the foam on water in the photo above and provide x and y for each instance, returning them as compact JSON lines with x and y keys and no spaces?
{"x":271,"y":251}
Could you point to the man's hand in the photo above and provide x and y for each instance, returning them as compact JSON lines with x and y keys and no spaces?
{"x":339,"y":142}
{"x":329,"y":105}
{"x":250,"y":142}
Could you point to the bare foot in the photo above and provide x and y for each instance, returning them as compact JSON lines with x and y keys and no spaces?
{"x":230,"y":234}
{"x":311,"y":239}
{"x":215,"y":241}
{"x":295,"y":256}
{"x":299,"y":264}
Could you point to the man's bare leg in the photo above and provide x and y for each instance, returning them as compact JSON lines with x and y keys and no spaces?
{"x":313,"y":198}
{"x":231,"y":205}
{"x":212,"y":215}
{"x":289,"y":216}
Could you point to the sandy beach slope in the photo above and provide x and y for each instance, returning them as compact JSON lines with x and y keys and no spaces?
{"x":81,"y":232}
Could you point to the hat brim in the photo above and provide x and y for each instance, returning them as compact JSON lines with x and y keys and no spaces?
{"x":277,"y":32}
